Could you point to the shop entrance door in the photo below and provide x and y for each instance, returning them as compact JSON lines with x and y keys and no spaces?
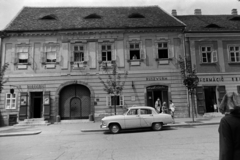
{"x":36,"y":107}
{"x":210,"y":98}
{"x":155,"y":92}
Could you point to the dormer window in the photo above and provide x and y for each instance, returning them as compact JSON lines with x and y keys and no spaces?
{"x":135,"y":15}
{"x":93,"y":16}
{"x":212,"y":26}
{"x":237,"y":18}
{"x":49,"y":17}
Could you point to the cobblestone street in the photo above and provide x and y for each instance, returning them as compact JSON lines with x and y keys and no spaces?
{"x":65,"y":142}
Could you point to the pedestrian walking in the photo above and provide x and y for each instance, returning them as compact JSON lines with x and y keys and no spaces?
{"x":229,"y":128}
{"x":158,"y":105}
{"x":172,"y":108}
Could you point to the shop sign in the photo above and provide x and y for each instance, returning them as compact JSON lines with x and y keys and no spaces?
{"x":211,"y":79}
{"x":156,"y":78}
{"x":157,"y":87}
{"x":235,"y":78}
{"x":36,"y":86}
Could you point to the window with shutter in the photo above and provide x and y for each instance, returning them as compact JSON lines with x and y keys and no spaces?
{"x":119,"y":101}
{"x":10,"y":101}
{"x":134,"y":51}
{"x":234,"y":53}
{"x":22,"y":54}
{"x":208,"y":54}
{"x":162,"y":48}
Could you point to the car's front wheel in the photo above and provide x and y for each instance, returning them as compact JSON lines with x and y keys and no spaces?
{"x":157,"y":126}
{"x":114,"y":128}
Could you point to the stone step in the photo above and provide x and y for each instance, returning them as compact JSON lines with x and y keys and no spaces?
{"x":34,"y":119}
{"x":213,"y":114}
{"x":32,"y":122}
{"x":74,"y":121}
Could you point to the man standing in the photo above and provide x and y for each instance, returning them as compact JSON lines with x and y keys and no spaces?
{"x":172,"y":108}
{"x":158,"y":105}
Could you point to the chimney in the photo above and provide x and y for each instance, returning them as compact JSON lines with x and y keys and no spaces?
{"x":174,"y":12}
{"x":197,"y":12}
{"x":234,"y":12}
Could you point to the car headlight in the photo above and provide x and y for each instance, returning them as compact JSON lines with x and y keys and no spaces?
{"x":104,"y":123}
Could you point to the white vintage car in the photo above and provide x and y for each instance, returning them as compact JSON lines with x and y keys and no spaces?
{"x":136,"y":117}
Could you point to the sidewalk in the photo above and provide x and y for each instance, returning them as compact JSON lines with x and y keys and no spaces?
{"x":89,"y":126}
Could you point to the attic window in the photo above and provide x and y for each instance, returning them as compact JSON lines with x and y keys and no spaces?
{"x":49,"y":17}
{"x":135,"y":15}
{"x":93,"y":16}
{"x":235,"y":18}
{"x":212,"y":26}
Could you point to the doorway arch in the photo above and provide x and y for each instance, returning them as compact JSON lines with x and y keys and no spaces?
{"x":79,"y":91}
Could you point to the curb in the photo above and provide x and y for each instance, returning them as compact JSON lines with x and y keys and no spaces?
{"x":169,"y":125}
{"x":20,"y":133}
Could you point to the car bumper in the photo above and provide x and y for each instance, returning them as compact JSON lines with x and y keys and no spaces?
{"x":103,"y":126}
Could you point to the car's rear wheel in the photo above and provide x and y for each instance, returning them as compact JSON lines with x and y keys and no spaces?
{"x":114,"y":128}
{"x":157,"y":126}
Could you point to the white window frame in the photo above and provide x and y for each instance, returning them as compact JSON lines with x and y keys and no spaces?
{"x":162,"y":48}
{"x":51,"y":48}
{"x":213,"y":54}
{"x":22,"y":49}
{"x":235,"y":53}
{"x":106,"y":50}
{"x":81,"y":50}
{"x":109,"y":100}
{"x":12,"y":101}
{"x":134,"y":43}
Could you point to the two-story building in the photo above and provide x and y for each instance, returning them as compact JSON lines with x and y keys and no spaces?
{"x":55,"y":56}
{"x":213,"y":43}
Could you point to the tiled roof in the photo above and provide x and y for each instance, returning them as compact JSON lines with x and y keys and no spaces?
{"x":199,"y":23}
{"x":29,"y":19}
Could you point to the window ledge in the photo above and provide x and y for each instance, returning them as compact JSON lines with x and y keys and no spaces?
{"x":234,"y":63}
{"x":212,"y":63}
{"x":163,"y":61}
{"x":159,"y":59}
{"x":22,"y":63}
{"x":135,"y":60}
{"x":45,"y":63}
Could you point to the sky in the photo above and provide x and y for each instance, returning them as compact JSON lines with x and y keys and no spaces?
{"x":10,"y":8}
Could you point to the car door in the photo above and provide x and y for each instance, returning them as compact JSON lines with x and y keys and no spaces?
{"x":132,"y":119}
{"x":146,"y":117}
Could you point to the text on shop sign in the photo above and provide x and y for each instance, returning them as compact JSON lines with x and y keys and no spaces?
{"x":156,"y":78}
{"x":36,"y":86}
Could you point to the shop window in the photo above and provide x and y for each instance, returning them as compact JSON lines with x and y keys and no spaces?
{"x":119,"y":100}
{"x":10,"y":101}
{"x":234,"y":54}
{"x":238,"y":89}
{"x":208,"y":55}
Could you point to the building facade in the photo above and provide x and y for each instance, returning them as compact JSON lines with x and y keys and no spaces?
{"x":56,"y":55}
{"x":213,"y":43}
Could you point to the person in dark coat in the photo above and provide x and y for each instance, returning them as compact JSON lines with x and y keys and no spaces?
{"x":229,"y":128}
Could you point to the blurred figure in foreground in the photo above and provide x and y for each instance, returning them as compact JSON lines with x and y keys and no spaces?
{"x":229,"y":128}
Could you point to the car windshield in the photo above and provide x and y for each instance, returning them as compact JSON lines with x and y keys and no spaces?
{"x":125,"y":112}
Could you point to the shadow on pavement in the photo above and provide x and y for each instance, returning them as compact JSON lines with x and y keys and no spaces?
{"x":141,"y":130}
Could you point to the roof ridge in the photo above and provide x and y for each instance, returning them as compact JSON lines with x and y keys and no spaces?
{"x":91,"y":6}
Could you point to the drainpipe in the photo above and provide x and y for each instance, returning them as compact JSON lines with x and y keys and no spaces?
{"x":184,"y":51}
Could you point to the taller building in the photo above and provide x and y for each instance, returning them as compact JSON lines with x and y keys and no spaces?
{"x":56,"y":53}
{"x":213,"y":43}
